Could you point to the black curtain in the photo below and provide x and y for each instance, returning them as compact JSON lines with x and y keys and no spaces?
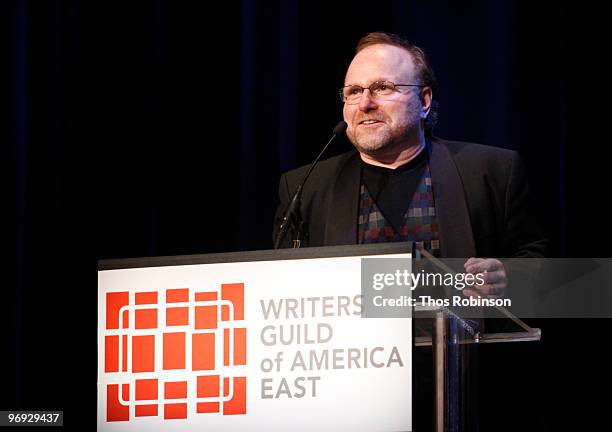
{"x":156,"y":127}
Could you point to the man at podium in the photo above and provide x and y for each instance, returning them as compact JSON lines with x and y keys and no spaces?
{"x":401,"y":183}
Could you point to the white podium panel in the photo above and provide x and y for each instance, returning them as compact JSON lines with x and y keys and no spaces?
{"x":257,"y":345}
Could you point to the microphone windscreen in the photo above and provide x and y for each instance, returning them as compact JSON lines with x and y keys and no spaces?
{"x":340,"y":128}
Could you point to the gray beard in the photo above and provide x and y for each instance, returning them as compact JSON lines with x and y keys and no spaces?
{"x":372,"y":145}
{"x":375,"y":144}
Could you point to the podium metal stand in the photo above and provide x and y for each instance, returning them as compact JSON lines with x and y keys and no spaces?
{"x":453,"y":340}
{"x":453,"y":372}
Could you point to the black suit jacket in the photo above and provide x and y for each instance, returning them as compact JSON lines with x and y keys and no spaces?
{"x":480,"y":194}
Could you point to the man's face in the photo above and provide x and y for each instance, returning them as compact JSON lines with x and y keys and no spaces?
{"x":397,"y":122}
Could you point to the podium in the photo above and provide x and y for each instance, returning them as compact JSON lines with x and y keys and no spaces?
{"x":271,"y":340}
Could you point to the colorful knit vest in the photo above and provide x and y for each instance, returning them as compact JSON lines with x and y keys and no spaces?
{"x":420,"y":224}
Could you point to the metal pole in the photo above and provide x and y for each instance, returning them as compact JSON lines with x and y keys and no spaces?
{"x":439,"y":356}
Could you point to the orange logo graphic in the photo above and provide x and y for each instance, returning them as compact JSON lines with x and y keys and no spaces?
{"x":166,"y":347}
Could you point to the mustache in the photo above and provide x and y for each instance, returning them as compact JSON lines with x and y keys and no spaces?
{"x":377,"y":118}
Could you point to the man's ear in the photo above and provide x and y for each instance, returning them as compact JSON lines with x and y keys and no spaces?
{"x":426,"y":99}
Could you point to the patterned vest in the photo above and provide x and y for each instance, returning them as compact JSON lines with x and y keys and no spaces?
{"x":420,"y":224}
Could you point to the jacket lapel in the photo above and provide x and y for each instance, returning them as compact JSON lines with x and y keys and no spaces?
{"x":456,"y":237}
{"x":341,"y":219}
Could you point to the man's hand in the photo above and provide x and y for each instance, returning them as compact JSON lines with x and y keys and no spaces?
{"x":494,"y":275}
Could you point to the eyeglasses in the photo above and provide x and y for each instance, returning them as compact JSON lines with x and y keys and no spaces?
{"x":380,"y":90}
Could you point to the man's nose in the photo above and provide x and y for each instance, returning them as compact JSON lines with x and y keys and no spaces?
{"x":367,"y":103}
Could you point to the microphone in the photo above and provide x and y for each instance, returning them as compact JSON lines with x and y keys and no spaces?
{"x":339,"y":129}
{"x":292,"y":213}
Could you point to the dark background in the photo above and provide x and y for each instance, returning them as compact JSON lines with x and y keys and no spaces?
{"x":148,"y":128}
